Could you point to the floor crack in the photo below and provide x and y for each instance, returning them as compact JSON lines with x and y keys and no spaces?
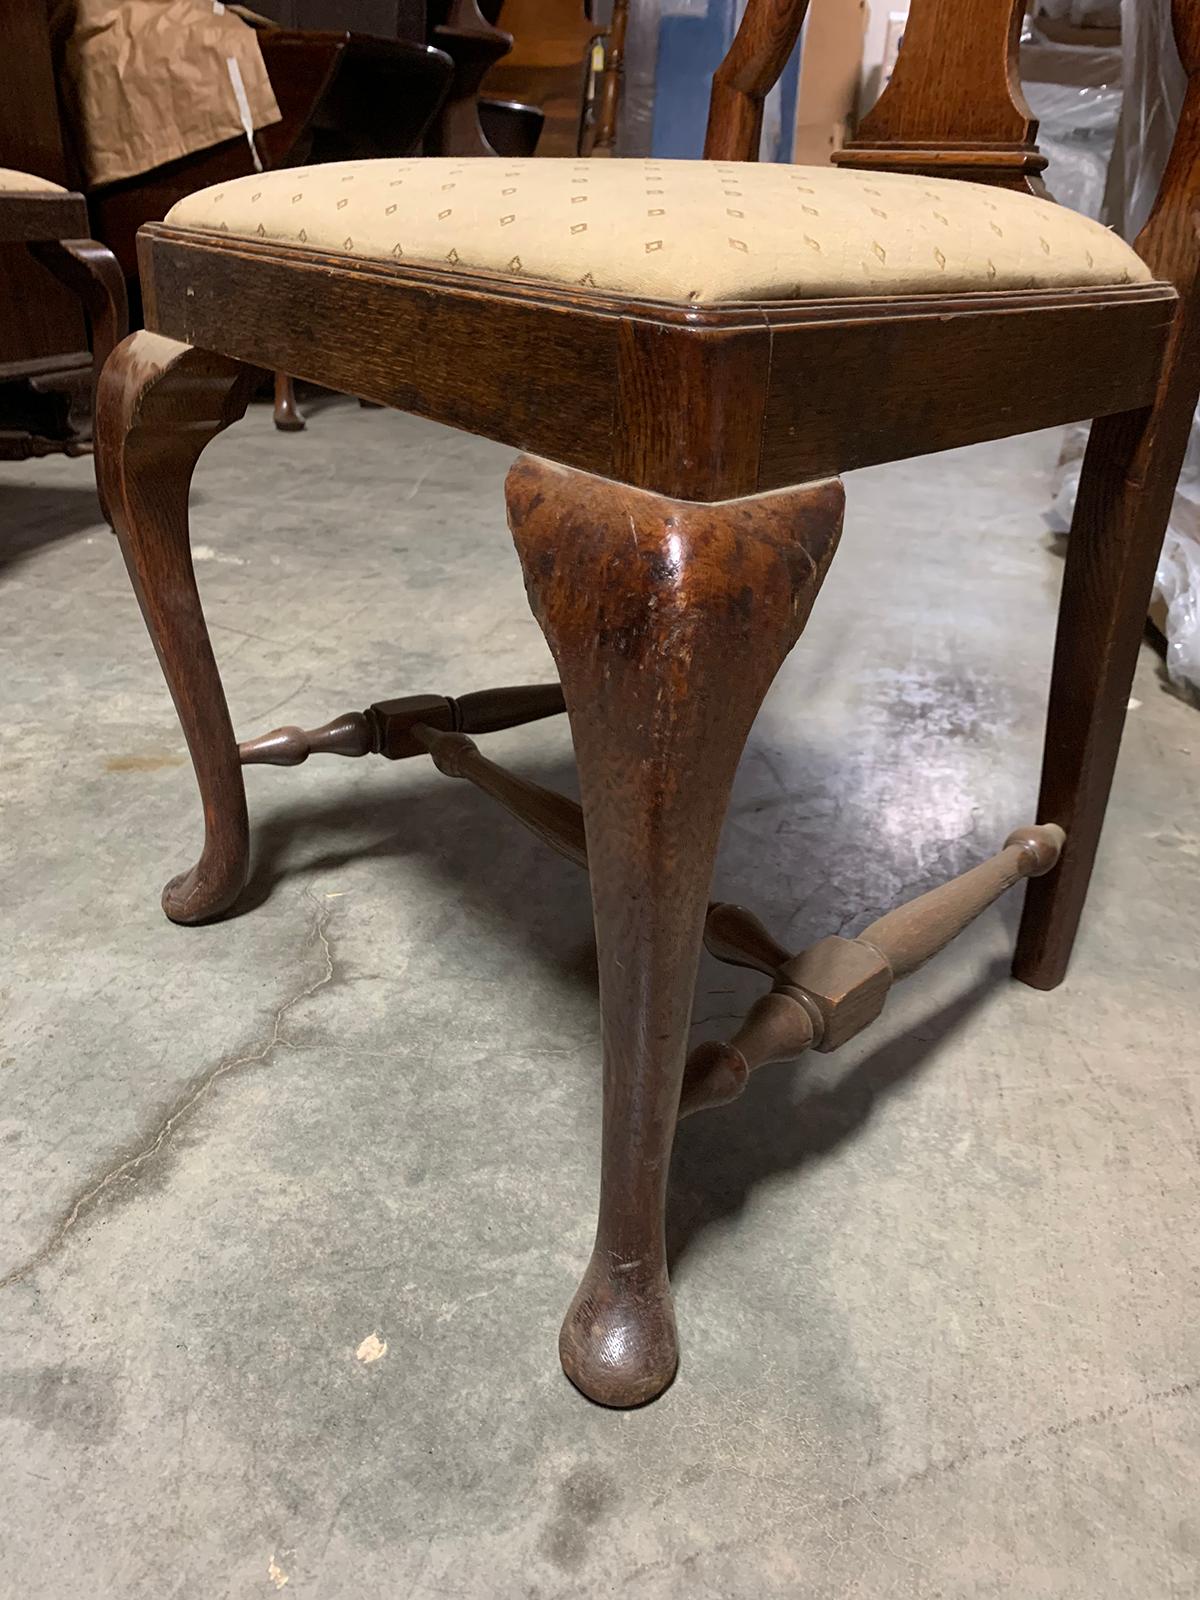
{"x":128,"y":1167}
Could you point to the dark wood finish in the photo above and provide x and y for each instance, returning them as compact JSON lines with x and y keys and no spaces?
{"x":28,"y":217}
{"x":953,"y":106}
{"x":474,"y":45}
{"x":900,"y":385}
{"x":388,"y":727}
{"x":510,"y":127}
{"x":672,"y":573}
{"x":668,"y":622}
{"x":159,"y":405}
{"x":89,"y":269}
{"x":594,"y":381}
{"x":765,"y":39}
{"x":1121,"y":512}
{"x":828,"y":994}
{"x":38,"y":317}
{"x":53,"y":228}
{"x":287,"y":414}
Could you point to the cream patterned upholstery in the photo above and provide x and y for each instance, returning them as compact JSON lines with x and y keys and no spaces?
{"x":680,"y":231}
{"x":12,"y":182}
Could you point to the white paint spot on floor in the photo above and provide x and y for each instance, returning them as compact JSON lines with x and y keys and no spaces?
{"x":1132,"y":705}
{"x":371,"y":1349}
{"x":205,"y":552}
{"x":276,"y":1574}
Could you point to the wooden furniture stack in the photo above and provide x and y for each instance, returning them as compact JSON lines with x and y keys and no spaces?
{"x":45,"y":359}
{"x":548,"y":66}
{"x":44,"y":231}
{"x":686,"y":374}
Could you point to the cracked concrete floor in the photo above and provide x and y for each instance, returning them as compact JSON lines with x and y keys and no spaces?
{"x":292,"y":1205}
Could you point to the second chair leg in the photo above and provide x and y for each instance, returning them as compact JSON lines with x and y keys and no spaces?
{"x":288,"y":416}
{"x":159,"y":404}
{"x":668,"y":621}
{"x":1125,"y":493}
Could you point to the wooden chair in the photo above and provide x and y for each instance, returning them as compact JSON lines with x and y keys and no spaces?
{"x":51,"y":224}
{"x":688,"y":354}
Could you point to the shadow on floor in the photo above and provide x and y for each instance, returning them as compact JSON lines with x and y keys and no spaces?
{"x":461,"y":836}
{"x":33,"y":517}
{"x":485,"y":858}
{"x":722,"y":1155}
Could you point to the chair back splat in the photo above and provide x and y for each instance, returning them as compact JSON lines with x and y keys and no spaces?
{"x":954,"y":107}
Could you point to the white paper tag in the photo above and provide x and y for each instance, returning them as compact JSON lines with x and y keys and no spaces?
{"x":243,"y":105}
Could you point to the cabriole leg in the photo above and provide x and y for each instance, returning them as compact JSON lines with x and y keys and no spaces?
{"x":159,"y":405}
{"x":668,"y":621}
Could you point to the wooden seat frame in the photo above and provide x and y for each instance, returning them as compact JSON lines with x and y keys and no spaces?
{"x":675,"y":511}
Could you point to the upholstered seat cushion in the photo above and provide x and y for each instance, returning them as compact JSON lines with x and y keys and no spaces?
{"x":680,"y":231}
{"x":13,"y":182}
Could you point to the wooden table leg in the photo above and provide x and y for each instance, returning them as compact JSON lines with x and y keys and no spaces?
{"x":668,"y":621}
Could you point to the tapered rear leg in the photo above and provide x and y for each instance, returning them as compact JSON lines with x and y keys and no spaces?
{"x":159,"y":405}
{"x":668,"y":621}
{"x":1125,"y":492}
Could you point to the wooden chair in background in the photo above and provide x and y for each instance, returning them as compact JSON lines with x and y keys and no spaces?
{"x":687,"y":374}
{"x":50,"y":224}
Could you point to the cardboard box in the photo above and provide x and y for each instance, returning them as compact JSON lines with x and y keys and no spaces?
{"x":830,"y":68}
{"x":149,"y":81}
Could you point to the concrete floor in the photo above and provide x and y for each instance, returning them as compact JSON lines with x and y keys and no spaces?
{"x":937,"y":1293}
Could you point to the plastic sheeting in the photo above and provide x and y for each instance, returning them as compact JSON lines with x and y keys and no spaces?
{"x":1075,"y":93}
{"x":1154,"y":87}
{"x":646,"y":17}
{"x":1127,"y":126}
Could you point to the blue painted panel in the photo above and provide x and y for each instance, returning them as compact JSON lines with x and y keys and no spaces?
{"x":689,"y":51}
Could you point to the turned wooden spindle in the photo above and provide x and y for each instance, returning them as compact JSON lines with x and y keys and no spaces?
{"x":911,"y":934}
{"x":830,"y":992}
{"x":386,"y":728}
{"x":778,"y":1027}
{"x":736,"y":936}
{"x":611,"y":82}
{"x":349,"y":735}
{"x":555,"y":819}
